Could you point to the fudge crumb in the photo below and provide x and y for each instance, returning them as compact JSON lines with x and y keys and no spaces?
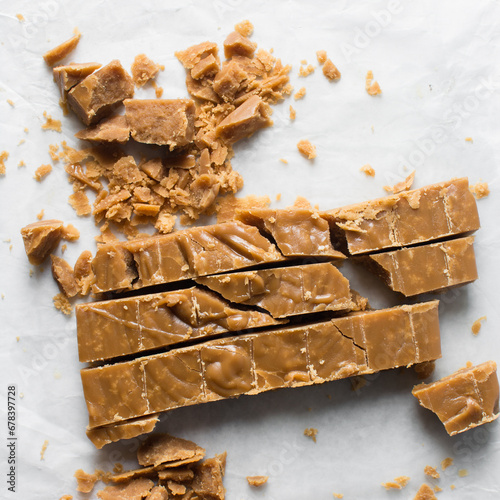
{"x":452,"y":486}
{"x":401,"y":186}
{"x":338,"y":495}
{"x":257,"y":480}
{"x":463,"y":472}
{"x":321,"y":56}
{"x":50,"y":123}
{"x":144,"y":69}
{"x":424,"y":370}
{"x":300,"y":93}
{"x":468,"y":139}
{"x":278,"y":197}
{"x":64,"y":247}
{"x":40,"y":214}
{"x":21,"y":164}
{"x":479,"y":190}
{"x":3,"y":156}
{"x":398,"y":483}
{"x":306,"y":70}
{"x":158,"y":89}
{"x":306,"y":149}
{"x":70,"y":233}
{"x":446,"y":463}
{"x":476,"y":326}
{"x":66,"y":497}
{"x":20,"y":17}
{"x":42,"y":171}
{"x":368,"y":170}
{"x":61,"y":303}
{"x":245,"y":28}
{"x":431,"y":471}
{"x":331,"y":71}
{"x":437,"y":489}
{"x":85,"y":481}
{"x":44,"y":449}
{"x":425,"y":492}
{"x":11,"y":102}
{"x":283,"y":160}
{"x":53,"y":148}
{"x":357,"y":382}
{"x":22,"y":141}
{"x":372,"y":88}
{"x":311,"y":432}
{"x":293,"y":113}
{"x":80,"y":203}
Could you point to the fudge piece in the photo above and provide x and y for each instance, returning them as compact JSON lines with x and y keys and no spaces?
{"x":246,"y":119}
{"x":360,"y":343}
{"x":238,"y":45}
{"x":113,"y":129}
{"x":286,"y":291}
{"x":230,"y":80}
{"x":166,"y":122}
{"x":425,"y":492}
{"x":207,"y":67}
{"x":430,"y":213}
{"x":123,"y":430}
{"x":185,"y":254}
{"x":190,"y":57}
{"x":99,"y":93}
{"x":144,"y":69}
{"x":297,"y":231}
{"x":464,"y":399}
{"x":426,"y":268}
{"x":53,"y":56}
{"x":41,"y":239}
{"x":257,"y":480}
{"x":112,"y":328}
{"x":64,"y":275}
{"x":66,"y":77}
{"x":136,"y":489}
{"x":207,"y":482}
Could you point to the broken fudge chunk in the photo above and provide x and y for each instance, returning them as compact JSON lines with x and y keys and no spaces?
{"x":113,"y":129}
{"x":41,"y":239}
{"x":64,"y":275}
{"x":66,"y":77}
{"x":53,"y":56}
{"x":238,"y":45}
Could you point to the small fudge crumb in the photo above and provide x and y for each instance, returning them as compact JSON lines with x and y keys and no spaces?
{"x":53,"y":148}
{"x":331,"y":71}
{"x":21,"y":164}
{"x":431,"y":471}
{"x":300,"y":93}
{"x":228,"y":206}
{"x":80,"y":203}
{"x":479,"y":190}
{"x":245,"y":28}
{"x":42,"y":171}
{"x":50,"y":123}
{"x":425,"y":492}
{"x":144,"y":69}
{"x":257,"y":480}
{"x":306,"y":70}
{"x":311,"y":432}
{"x":476,"y":326}
{"x":278,"y":197}
{"x":398,"y":483}
{"x":447,"y":462}
{"x":368,"y":170}
{"x":70,"y":233}
{"x":66,"y":497}
{"x":401,"y":186}
{"x":3,"y":156}
{"x":372,"y":88}
{"x":463,"y":472}
{"x":321,"y":56}
{"x":40,"y":214}
{"x":338,"y":495}
{"x":20,"y":17}
{"x":85,"y":481}
{"x":293,"y":113}
{"x":11,"y":102}
{"x":44,"y":449}
{"x":158,"y":89}
{"x":307,"y":149}
{"x":58,"y":53}
{"x":283,"y":160}
{"x":61,"y":303}
{"x":64,"y":247}
{"x":468,"y":139}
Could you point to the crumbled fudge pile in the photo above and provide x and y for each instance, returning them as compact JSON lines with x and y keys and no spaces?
{"x":188,"y":163}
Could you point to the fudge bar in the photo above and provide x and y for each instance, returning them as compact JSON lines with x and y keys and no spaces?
{"x":427,"y":268}
{"x":357,"y":344}
{"x":464,"y":399}
{"x":430,"y":213}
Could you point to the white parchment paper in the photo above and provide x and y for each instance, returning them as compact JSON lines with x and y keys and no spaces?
{"x":437,"y":65}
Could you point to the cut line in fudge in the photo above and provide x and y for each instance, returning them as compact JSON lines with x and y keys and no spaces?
{"x":360,"y":343}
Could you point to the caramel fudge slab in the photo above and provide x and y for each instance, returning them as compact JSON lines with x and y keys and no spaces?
{"x":360,"y":343}
{"x":185,"y":254}
{"x":296,"y":231}
{"x":426,"y":268}
{"x":286,"y":291}
{"x":114,"y":328}
{"x":430,"y":213}
{"x":464,"y":399}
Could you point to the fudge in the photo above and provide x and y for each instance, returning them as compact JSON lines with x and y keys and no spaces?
{"x":430,"y":213}
{"x":191,"y":56}
{"x":144,"y":69}
{"x":360,"y":343}
{"x":53,"y":56}
{"x":120,"y":327}
{"x":286,"y":291}
{"x":427,"y":268}
{"x":66,"y":77}
{"x":64,"y":275}
{"x":238,"y":45}
{"x":100,"y":92}
{"x":165,"y":122}
{"x":41,"y":239}
{"x":464,"y":399}
{"x":161,"y":448}
{"x":113,"y":129}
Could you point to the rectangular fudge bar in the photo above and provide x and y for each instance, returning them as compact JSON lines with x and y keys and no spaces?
{"x":185,"y":254}
{"x":286,"y":291}
{"x":430,"y":213}
{"x":426,"y":268}
{"x":464,"y":399}
{"x":113,"y":328}
{"x":360,"y":343}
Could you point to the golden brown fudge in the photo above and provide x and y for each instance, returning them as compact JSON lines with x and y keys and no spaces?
{"x":464,"y":399}
{"x":427,"y":268}
{"x":99,"y":93}
{"x":53,"y":56}
{"x":238,"y":45}
{"x":286,"y":291}
{"x":162,"y":448}
{"x":230,"y":80}
{"x":113,"y":328}
{"x":64,"y":275}
{"x":430,"y":213}
{"x":113,"y":129}
{"x":166,"y":122}
{"x":193,"y":55}
{"x":185,"y":254}
{"x":144,"y":69}
{"x":66,"y":77}
{"x":246,"y":119}
{"x":137,"y":489}
{"x":357,"y":344}
{"x":41,"y":239}
{"x":425,"y":492}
